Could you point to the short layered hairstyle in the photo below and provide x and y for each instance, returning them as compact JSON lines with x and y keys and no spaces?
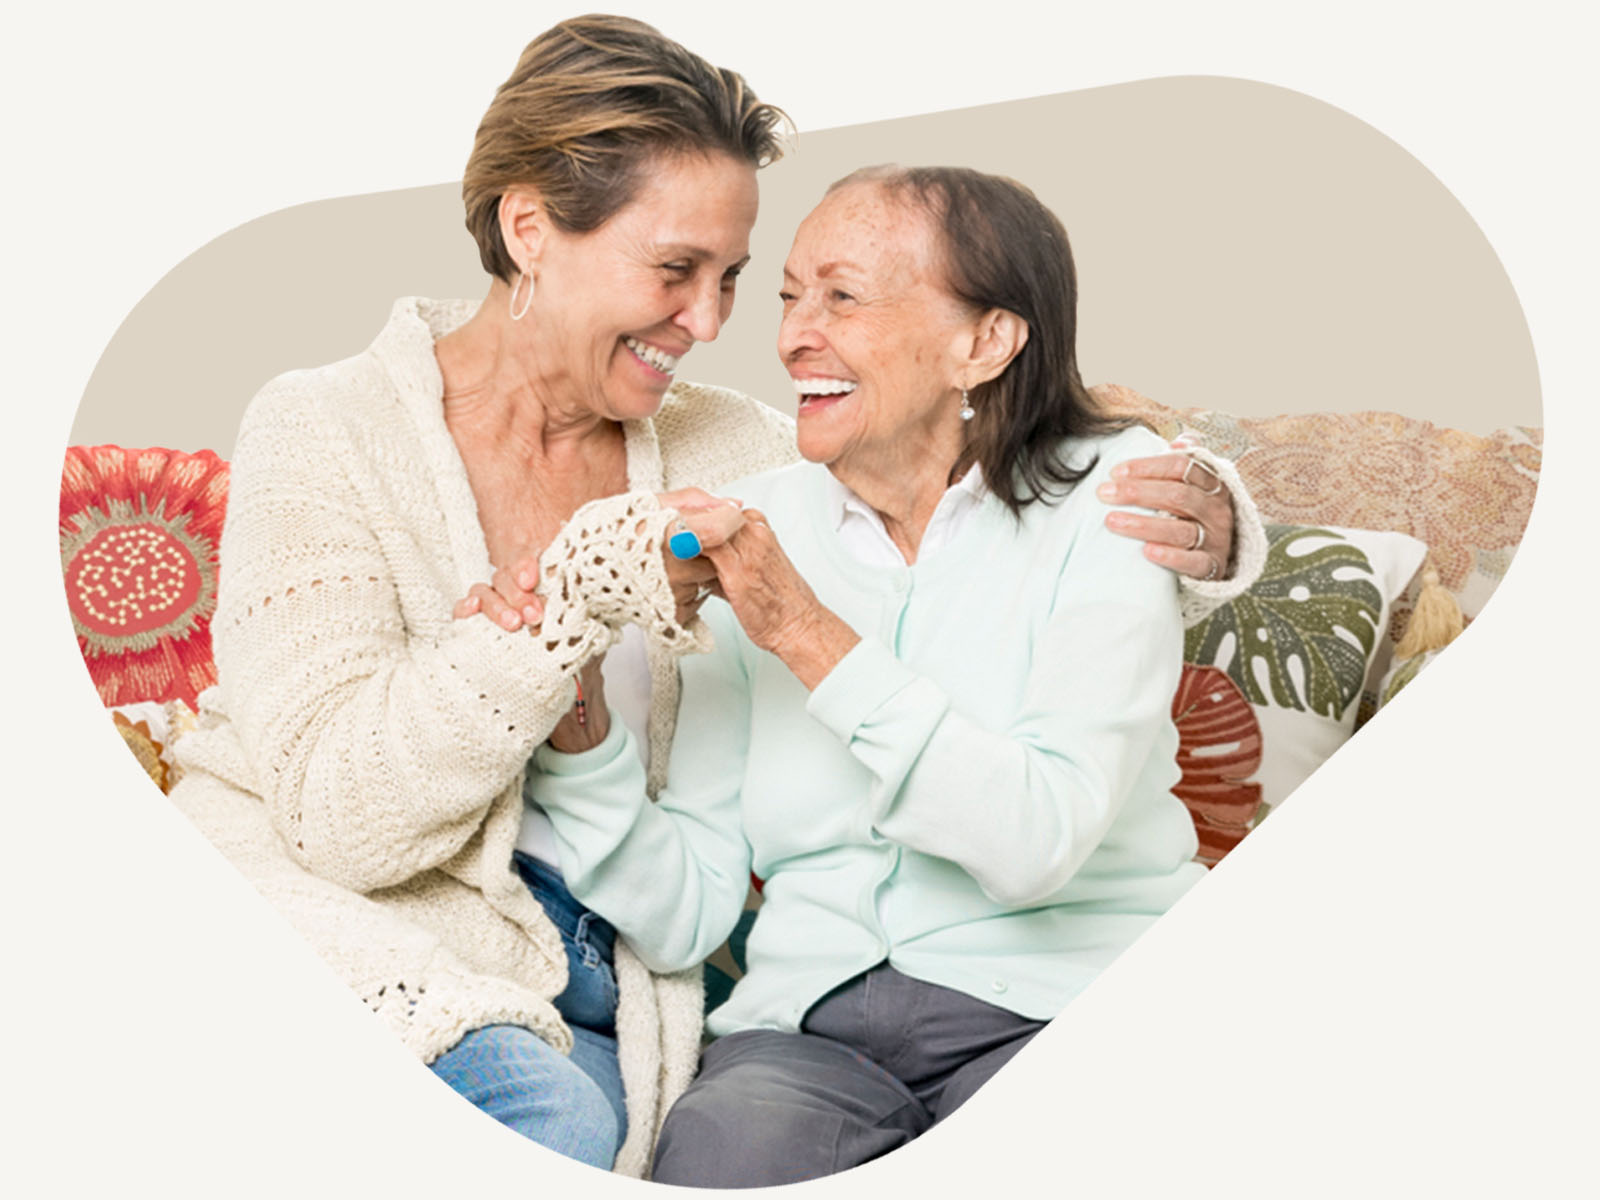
{"x":591,"y":103}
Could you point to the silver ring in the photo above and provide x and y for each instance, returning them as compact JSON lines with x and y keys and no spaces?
{"x":1215,"y":478}
{"x":1212,"y":573}
{"x":700,"y":593}
{"x":1199,"y":536}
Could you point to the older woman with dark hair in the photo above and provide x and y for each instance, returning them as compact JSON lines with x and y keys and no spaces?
{"x":937,"y":722}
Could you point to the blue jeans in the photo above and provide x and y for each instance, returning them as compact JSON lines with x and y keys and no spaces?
{"x":574,"y":1104}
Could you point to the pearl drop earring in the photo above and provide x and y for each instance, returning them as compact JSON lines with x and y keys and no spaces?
{"x":967,"y":412}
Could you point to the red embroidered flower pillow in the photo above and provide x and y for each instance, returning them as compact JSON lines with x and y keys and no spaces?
{"x":139,"y":531}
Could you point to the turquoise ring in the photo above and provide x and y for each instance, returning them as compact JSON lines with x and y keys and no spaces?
{"x":684,"y":543}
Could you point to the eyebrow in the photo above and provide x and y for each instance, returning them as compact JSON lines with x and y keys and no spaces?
{"x":828,"y":268}
{"x":699,"y":254}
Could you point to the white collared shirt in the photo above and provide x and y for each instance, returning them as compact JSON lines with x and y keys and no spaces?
{"x":861,"y":529}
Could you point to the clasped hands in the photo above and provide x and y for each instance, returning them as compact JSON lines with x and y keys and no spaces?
{"x":509,"y":599}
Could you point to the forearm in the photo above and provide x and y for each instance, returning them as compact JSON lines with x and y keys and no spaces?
{"x":670,"y":875}
{"x":816,"y":644}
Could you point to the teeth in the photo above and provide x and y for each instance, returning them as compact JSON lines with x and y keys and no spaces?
{"x":823,"y":387}
{"x":658,"y":359}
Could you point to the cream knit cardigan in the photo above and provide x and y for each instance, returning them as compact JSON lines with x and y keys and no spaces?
{"x":361,"y":759}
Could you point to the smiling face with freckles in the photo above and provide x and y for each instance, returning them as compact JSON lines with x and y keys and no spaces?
{"x":615,"y":309}
{"x":874,"y":340}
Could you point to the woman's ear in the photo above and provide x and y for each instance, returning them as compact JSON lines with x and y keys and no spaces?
{"x":999,"y":338}
{"x":524,"y":224}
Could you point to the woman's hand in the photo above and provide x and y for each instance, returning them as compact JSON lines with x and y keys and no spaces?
{"x":510,"y":603}
{"x":1196,"y":537}
{"x":508,"y":600}
{"x":775,"y":605}
{"x":713,"y":520}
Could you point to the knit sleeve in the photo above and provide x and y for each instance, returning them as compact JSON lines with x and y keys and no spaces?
{"x":377,"y":729}
{"x":1198,"y":598}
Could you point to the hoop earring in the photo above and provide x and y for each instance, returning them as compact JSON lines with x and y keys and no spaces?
{"x":967,"y":411}
{"x":518,"y":313}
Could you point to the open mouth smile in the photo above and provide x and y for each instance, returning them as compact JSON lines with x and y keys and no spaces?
{"x":656,"y":360}
{"x":819,"y":389}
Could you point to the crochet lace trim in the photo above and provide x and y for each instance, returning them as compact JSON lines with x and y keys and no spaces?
{"x":605,"y":570}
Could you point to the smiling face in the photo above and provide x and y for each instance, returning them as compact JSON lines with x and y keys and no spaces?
{"x":614,"y":309}
{"x":875,"y":342}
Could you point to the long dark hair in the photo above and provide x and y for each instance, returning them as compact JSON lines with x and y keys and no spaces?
{"x":1002,"y":248}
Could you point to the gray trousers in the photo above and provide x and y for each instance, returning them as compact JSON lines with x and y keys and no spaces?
{"x":879,"y":1060}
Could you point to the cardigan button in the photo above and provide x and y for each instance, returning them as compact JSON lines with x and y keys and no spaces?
{"x":998,"y":986}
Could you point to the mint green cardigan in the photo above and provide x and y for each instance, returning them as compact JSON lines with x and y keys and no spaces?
{"x":979,"y":792}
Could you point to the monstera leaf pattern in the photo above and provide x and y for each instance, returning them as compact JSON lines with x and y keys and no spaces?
{"x":1311,"y":622}
{"x":1219,"y":747}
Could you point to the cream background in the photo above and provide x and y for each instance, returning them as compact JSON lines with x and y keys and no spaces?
{"x":1240,"y":247}
{"x":1388,"y":991}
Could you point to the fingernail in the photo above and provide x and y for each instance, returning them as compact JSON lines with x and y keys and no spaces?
{"x":509,"y":619}
{"x":1108,"y":491}
{"x":531,"y":614}
{"x":1118,"y":520}
{"x":527,"y":579}
{"x":1120,"y":470}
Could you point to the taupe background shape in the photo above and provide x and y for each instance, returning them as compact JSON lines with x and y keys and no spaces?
{"x":1240,"y":246}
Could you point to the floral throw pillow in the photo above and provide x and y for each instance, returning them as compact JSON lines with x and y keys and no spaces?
{"x":1297,"y":646}
{"x":139,"y":532}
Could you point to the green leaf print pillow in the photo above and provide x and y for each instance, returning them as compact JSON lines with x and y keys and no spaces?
{"x":1300,"y":642}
